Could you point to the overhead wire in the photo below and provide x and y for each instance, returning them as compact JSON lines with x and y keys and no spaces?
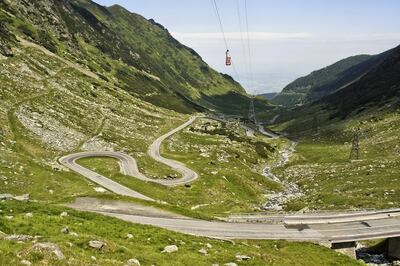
{"x":220,"y":23}
{"x":249,"y":47}
{"x":224,"y":36}
{"x":240,"y":29}
{"x":252,"y":113}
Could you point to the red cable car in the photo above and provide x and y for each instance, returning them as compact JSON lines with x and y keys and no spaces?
{"x":228,"y":60}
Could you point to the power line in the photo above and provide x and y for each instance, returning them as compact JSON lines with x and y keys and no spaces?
{"x":220,"y":23}
{"x":248,"y":45}
{"x":223,"y":35}
{"x":252,"y":114}
{"x":241,"y":35}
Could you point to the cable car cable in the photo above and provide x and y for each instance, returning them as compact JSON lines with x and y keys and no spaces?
{"x":220,"y":23}
{"x":248,"y":45}
{"x":228,"y":59}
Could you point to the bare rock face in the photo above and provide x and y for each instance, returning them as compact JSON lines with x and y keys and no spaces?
{"x":49,"y":248}
{"x":170,"y":249}
{"x":96,"y":244}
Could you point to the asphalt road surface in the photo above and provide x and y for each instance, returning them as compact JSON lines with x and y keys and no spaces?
{"x":128,"y":166}
{"x":330,"y":228}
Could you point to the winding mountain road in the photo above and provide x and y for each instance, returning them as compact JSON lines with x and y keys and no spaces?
{"x":188,"y":175}
{"x":128,"y":166}
{"x":332,"y":228}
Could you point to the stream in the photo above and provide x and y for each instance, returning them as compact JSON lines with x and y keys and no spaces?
{"x":277,"y":200}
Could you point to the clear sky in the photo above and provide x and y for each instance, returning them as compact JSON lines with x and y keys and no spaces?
{"x":288,"y":38}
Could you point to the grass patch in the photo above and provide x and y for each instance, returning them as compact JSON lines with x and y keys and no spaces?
{"x":146,"y":244}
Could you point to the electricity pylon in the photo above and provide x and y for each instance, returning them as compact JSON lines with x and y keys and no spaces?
{"x":252,"y":113}
{"x":355,"y":145}
{"x":315,"y":126}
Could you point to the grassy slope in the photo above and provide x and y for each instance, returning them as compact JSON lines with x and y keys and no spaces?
{"x":322,"y":166}
{"x":331,"y":181}
{"x":124,"y":48}
{"x":228,"y":184}
{"x":146,"y":244}
{"x":327,"y":80}
{"x":90,"y":106}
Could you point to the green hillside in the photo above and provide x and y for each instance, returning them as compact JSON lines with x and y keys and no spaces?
{"x":325,"y":129}
{"x":323,"y":82}
{"x":123,"y":48}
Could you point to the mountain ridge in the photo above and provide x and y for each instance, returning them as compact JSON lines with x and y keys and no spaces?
{"x":136,"y":54}
{"x":327,"y":80}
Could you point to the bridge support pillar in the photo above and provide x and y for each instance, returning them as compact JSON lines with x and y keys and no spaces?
{"x":394,"y":247}
{"x":347,"y":248}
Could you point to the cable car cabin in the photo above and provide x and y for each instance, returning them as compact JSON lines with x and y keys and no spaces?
{"x":228,"y":60}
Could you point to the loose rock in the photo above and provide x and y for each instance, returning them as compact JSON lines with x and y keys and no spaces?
{"x":96,"y":244}
{"x":26,"y":262}
{"x":6,"y":196}
{"x":100,"y":189}
{"x":65,"y":230}
{"x":24,"y":198}
{"x":203,"y":251}
{"x":49,"y":247}
{"x":242,"y":257}
{"x":133,"y":262}
{"x":19,"y":238}
{"x":170,"y":249}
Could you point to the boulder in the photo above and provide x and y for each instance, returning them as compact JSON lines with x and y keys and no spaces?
{"x":242,"y":257}
{"x":96,"y":244}
{"x":203,"y":251}
{"x":24,"y":198}
{"x":65,"y":230}
{"x":26,"y":262}
{"x":170,"y":249}
{"x":6,"y":196}
{"x":100,"y":189}
{"x":49,"y":247}
{"x":230,"y":264}
{"x":64,"y":214}
{"x":133,"y":262}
